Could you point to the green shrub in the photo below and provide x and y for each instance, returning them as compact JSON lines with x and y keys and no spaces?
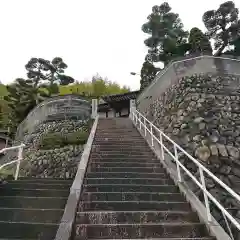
{"x":76,"y":138}
{"x":58,"y":140}
{"x":7,"y":172}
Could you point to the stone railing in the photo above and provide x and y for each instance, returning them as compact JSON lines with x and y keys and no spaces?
{"x":178,"y":69}
{"x":59,"y":107}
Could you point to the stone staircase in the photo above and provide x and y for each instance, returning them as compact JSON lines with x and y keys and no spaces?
{"x":32,"y":208}
{"x":127,"y":194}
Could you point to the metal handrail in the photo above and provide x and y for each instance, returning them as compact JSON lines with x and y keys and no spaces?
{"x":18,"y":160}
{"x":137,"y":118}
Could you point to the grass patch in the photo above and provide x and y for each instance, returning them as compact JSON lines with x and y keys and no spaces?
{"x":59,"y":140}
{"x":7,"y":172}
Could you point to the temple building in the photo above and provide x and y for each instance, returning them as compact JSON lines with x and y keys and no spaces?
{"x":116,"y":105}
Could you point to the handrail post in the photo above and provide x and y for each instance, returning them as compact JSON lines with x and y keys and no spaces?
{"x":209,"y":217}
{"x":177,"y":163}
{"x":161,"y":143}
{"x":94,"y":108}
{"x":228,"y":227}
{"x":133,"y":109}
{"x":145,"y":127}
{"x":20,"y":157}
{"x":130,"y":113}
{"x":151,"y":133}
{"x":140,"y":123}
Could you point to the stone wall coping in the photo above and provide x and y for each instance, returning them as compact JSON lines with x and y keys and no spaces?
{"x":214,"y":227}
{"x":65,"y":228}
{"x":179,"y":60}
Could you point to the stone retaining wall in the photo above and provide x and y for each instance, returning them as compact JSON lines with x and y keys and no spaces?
{"x":202,"y":114}
{"x":63,"y":126}
{"x":53,"y":163}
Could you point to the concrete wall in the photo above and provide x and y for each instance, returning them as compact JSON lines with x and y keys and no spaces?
{"x":172,"y":73}
{"x":124,"y":111}
{"x":60,"y":107}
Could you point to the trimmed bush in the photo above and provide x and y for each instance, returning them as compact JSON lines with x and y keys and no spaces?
{"x":58,"y":140}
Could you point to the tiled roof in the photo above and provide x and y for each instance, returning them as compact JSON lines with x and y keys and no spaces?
{"x":120,"y":97}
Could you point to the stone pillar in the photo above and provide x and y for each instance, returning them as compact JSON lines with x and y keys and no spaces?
{"x":94,"y":108}
{"x":132,"y":105}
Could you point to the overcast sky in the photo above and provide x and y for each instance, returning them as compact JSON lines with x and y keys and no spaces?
{"x":92,"y":36}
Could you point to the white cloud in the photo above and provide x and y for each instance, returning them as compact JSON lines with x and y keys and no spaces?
{"x":91,"y":36}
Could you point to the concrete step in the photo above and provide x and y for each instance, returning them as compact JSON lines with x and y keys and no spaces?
{"x":175,"y":238}
{"x":144,"y":159}
{"x":38,"y":185}
{"x":148,"y":181}
{"x":27,"y":231}
{"x":32,"y":202}
{"x":115,"y":141}
{"x":121,"y":150}
{"x":132,"y":196}
{"x":136,"y":217}
{"x":115,"y":133}
{"x":104,"y":138}
{"x":44,"y":180}
{"x":132,"y":206}
{"x":6,"y":191}
{"x":31,"y":215}
{"x":126,"y":169}
{"x":125,"y":145}
{"x":125,"y":175}
{"x":130,"y":188}
{"x":117,"y":154}
{"x":117,"y":138}
{"x":116,"y":129}
{"x":119,"y":123}
{"x":124,"y":164}
{"x":127,"y":194}
{"x":109,"y":128}
{"x":132,"y":231}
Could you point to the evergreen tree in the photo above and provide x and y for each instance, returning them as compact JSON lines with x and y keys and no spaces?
{"x":48,"y":74}
{"x":167,"y":39}
{"x":148,"y":73}
{"x":223,"y":26}
{"x":199,"y":42}
{"x":23,"y":96}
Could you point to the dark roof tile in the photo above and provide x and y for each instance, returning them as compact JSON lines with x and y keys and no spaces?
{"x":120,"y":97}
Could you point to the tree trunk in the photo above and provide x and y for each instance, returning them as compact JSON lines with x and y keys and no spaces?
{"x":219,"y":51}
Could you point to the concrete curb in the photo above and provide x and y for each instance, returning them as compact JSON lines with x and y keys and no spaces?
{"x":65,"y":227}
